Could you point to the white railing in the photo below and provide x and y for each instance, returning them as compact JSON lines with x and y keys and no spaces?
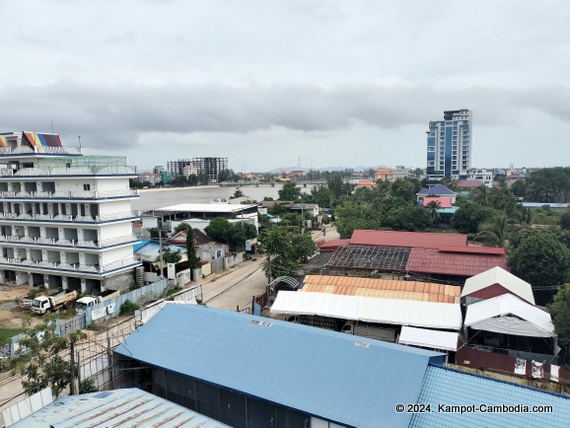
{"x":69,"y":194}
{"x":45,"y":149}
{"x":75,"y":170}
{"x":69,"y":242}
{"x":68,"y":218}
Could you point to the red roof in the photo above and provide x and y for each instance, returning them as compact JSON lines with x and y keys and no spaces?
{"x":473,"y":250}
{"x":443,"y":202}
{"x":431,"y":260}
{"x":388,"y":238}
{"x":333,"y":245}
{"x":469,"y":184}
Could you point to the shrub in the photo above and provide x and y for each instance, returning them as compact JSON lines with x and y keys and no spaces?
{"x":87,"y":386}
{"x":128,"y":308}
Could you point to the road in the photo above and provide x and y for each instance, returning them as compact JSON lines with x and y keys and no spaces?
{"x":225,"y":290}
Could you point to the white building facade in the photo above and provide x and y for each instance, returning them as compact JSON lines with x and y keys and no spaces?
{"x":449,"y":146}
{"x":65,"y":218}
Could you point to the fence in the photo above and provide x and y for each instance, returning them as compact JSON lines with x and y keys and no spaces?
{"x":109,"y":309}
{"x":69,"y":325}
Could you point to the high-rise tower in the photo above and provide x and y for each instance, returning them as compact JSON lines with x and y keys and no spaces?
{"x":449,"y":146}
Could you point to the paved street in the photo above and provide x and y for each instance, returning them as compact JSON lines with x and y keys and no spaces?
{"x":225,"y":290}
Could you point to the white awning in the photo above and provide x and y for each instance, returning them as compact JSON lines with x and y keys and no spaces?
{"x":501,"y":277}
{"x":508,"y":314}
{"x":370,"y":309}
{"x":433,"y":339}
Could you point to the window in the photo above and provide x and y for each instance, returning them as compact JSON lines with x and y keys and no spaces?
{"x":87,"y":187}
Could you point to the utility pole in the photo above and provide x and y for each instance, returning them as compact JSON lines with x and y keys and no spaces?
{"x":160,"y":253}
{"x":72,"y":366}
{"x":78,"y":374}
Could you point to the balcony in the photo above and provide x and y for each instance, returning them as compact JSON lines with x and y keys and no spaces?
{"x":69,"y":219}
{"x":70,"y":242}
{"x":18,"y":263}
{"x":19,"y":150}
{"x":72,"y":171}
{"x":83,"y":194}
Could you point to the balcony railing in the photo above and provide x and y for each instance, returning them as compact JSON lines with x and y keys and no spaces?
{"x":69,"y":242}
{"x":18,"y":262}
{"x":46,"y":150}
{"x":77,"y":170}
{"x":83,"y":194}
{"x":67,"y":218}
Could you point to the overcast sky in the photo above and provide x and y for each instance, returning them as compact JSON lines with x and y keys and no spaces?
{"x":271,"y":84}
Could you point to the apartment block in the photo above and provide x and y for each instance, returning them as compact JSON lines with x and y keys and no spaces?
{"x":65,"y":218}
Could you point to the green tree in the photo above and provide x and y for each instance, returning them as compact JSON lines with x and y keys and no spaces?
{"x":408,"y":219}
{"x":239,"y":233}
{"x":182,"y":226}
{"x":549,"y":185}
{"x":560,"y":311}
{"x":286,"y":251}
{"x":565,"y":220}
{"x":191,"y":248}
{"x":289,"y":192}
{"x":432,"y":207}
{"x":481,"y":195}
{"x":88,"y":386}
{"x":238,"y":194}
{"x":540,"y":258}
{"x":219,"y":229}
{"x":502,"y":198}
{"x":519,"y":188}
{"x":169,"y":256}
{"x":470,"y":216}
{"x":496,"y":231}
{"x":406,"y":188}
{"x":352,"y":215}
{"x":322,"y":196}
{"x":40,"y":358}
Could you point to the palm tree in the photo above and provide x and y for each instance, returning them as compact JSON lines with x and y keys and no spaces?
{"x":482,"y":195}
{"x":496,"y":231}
{"x":433,"y":207}
{"x":523,"y":219}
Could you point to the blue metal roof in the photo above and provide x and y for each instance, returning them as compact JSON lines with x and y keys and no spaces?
{"x":118,"y":408}
{"x":436,"y":190}
{"x":342,"y":378}
{"x":451,"y":387}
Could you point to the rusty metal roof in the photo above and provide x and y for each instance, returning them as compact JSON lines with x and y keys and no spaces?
{"x":382,"y":288}
{"x":429,"y":260}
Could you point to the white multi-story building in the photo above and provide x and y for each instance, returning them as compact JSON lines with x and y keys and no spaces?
{"x":449,"y":146}
{"x":65,"y":218}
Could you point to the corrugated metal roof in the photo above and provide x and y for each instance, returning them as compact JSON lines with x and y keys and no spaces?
{"x":368,"y":309}
{"x":119,"y":408}
{"x":472,"y":249}
{"x":333,"y":245}
{"x":430,"y":260}
{"x":315,"y":371}
{"x":391,"y":238}
{"x":436,"y":190}
{"x":499,"y":276}
{"x":496,"y":314}
{"x":382,"y":288}
{"x":451,"y":387}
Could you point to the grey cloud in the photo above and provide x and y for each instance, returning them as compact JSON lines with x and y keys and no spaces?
{"x":117,"y":114}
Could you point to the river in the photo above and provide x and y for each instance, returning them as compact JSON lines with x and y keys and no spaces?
{"x":153,"y":199}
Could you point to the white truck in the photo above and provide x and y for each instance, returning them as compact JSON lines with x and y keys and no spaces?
{"x":43,"y":304}
{"x":387,"y":334}
{"x":86,"y":301}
